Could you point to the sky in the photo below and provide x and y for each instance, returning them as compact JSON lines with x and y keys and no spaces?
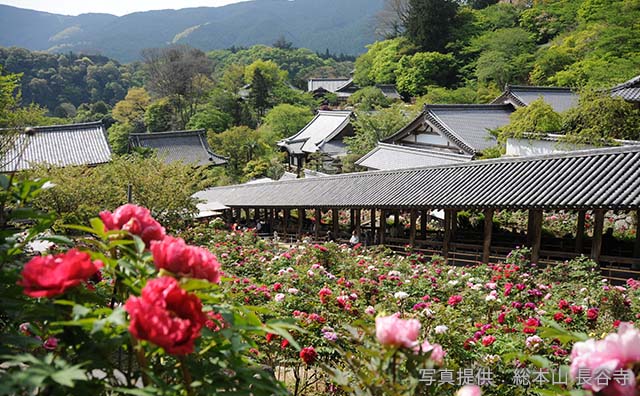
{"x":115,"y":7}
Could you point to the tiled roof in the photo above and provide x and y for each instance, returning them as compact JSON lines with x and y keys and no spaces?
{"x":321,"y":130}
{"x":628,"y":90}
{"x":59,"y":145}
{"x":591,"y":179}
{"x":389,"y":90}
{"x":468,"y":126}
{"x":392,"y":156}
{"x":328,"y":84}
{"x":189,"y":147}
{"x":561,"y":99}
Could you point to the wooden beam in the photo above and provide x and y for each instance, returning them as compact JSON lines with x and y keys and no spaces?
{"x":383,"y":226}
{"x":596,"y":245}
{"x":318,"y":223}
{"x":412,"y":229}
{"x":423,"y":224}
{"x":488,"y":230}
{"x":335,"y":222}
{"x":580,"y":231}
{"x":536,"y":234}
{"x":301,"y":216}
{"x":447,"y":233}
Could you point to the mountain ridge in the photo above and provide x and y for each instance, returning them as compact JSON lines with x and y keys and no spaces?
{"x":319,"y":25}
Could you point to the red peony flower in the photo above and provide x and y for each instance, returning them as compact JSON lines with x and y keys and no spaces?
{"x":48,"y":276}
{"x":308,"y":355}
{"x":135,"y":219}
{"x":324,"y":293}
{"x":488,"y":340}
{"x":592,"y":313}
{"x":558,"y":316}
{"x":576,"y":309}
{"x":166,"y":315}
{"x":284,"y":343}
{"x":562,"y":304}
{"x":175,"y":256}
{"x":455,"y":300}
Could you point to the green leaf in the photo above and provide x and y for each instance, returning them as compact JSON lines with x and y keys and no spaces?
{"x":68,"y":376}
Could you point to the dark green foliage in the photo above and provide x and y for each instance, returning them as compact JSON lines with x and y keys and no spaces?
{"x":369,"y":98}
{"x":598,"y":118}
{"x":53,"y":79}
{"x":430,"y":23}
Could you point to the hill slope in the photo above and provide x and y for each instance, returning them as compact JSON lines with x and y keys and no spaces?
{"x":338,"y":25}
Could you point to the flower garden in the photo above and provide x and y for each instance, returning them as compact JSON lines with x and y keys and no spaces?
{"x":121,"y":306}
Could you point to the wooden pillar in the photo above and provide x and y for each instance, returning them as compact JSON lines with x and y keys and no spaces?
{"x":636,"y":246}
{"x":412,"y":229}
{"x":301,"y":216}
{"x":529,"y":226}
{"x":352,"y":219}
{"x":535,"y":226}
{"x":396,"y":224}
{"x":488,"y":230}
{"x":596,"y":245}
{"x":423,"y":224}
{"x":383,"y":226}
{"x":373,"y":226}
{"x":285,"y":221}
{"x":272,"y":220}
{"x":580,"y":231}
{"x":358,"y":219}
{"x":256,"y":214}
{"x":335,"y":222}
{"x":318,"y":223}
{"x":454,"y":224}
{"x":447,"y":234}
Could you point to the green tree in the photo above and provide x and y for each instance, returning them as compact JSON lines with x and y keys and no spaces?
{"x":81,"y":192}
{"x":132,"y":109}
{"x":370,"y":128}
{"x":535,"y":120}
{"x":118,"y":135}
{"x":284,"y":120}
{"x":505,"y":55}
{"x":159,"y":116}
{"x":369,"y":98}
{"x":599,"y":118}
{"x":416,"y":72}
{"x":210,"y":118}
{"x":179,"y":73}
{"x":241,"y":145}
{"x":430,"y":23}
{"x":378,"y":65}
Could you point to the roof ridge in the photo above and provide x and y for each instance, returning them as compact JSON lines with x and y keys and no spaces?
{"x":478,"y":106}
{"x":627,"y":84}
{"x":47,"y":128}
{"x":169,"y":133}
{"x":538,"y":88}
{"x":400,"y":147}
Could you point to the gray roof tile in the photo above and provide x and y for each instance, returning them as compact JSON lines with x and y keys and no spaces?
{"x":189,"y":147}
{"x":605,"y":178}
{"x":392,"y":156}
{"x":59,"y":145}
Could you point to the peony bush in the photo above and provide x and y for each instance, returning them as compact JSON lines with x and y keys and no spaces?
{"x":128,"y":309}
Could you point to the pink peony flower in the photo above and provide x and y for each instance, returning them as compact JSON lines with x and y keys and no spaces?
{"x":488,"y":340}
{"x":50,"y":344}
{"x":617,"y":351}
{"x":469,"y":390}
{"x":175,"y":256}
{"x":437,"y":353}
{"x":393,"y":331}
{"x":135,"y":219}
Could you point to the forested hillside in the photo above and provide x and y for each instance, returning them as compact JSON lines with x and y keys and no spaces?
{"x":476,"y":50}
{"x":337,"y":25}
